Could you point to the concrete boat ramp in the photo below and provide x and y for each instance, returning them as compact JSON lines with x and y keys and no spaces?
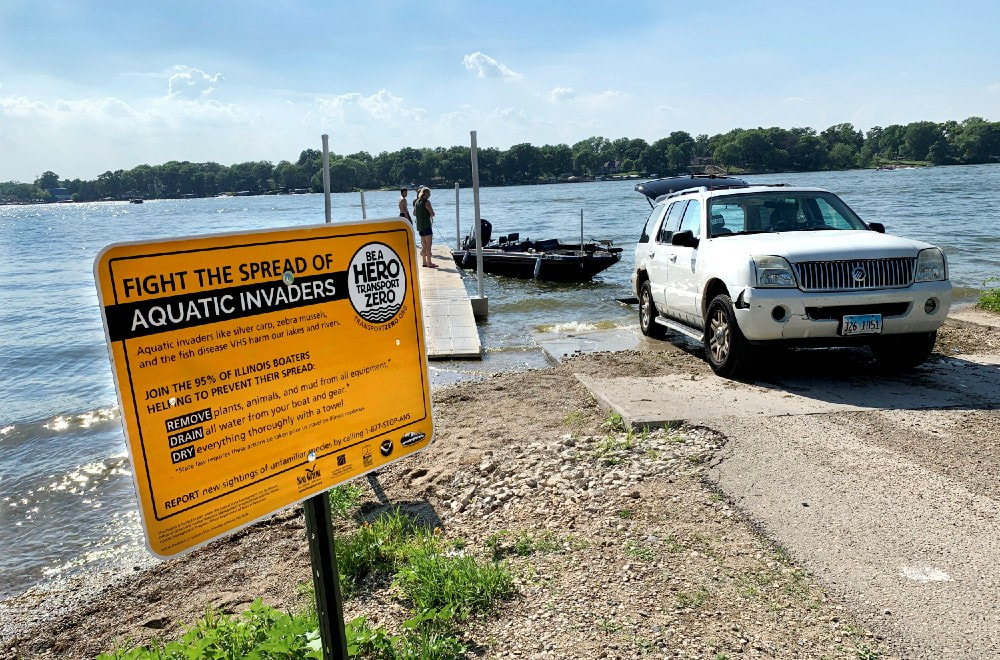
{"x":882,"y":487}
{"x":972,"y":382}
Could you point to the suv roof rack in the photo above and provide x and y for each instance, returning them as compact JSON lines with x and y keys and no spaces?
{"x":707,"y":188}
{"x":657,"y":188}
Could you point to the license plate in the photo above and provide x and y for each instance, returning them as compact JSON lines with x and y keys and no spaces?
{"x":861,"y":324}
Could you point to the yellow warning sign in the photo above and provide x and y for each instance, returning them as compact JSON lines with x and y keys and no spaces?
{"x":256,"y":370}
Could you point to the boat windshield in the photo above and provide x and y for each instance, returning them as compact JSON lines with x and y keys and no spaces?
{"x":779,"y":211}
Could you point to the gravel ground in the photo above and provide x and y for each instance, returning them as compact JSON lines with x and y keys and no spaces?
{"x":633,"y":554}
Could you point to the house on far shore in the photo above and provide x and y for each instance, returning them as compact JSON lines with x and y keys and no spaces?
{"x":58,"y":194}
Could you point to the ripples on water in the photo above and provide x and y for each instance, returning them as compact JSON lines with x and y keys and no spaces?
{"x":66,"y":495}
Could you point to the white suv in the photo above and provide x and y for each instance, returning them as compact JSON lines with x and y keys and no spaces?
{"x":737,"y":266}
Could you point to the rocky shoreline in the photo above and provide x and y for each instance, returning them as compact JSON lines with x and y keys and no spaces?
{"x":634,"y":554}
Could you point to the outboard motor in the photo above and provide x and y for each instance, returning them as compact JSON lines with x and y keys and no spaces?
{"x":486,"y":232}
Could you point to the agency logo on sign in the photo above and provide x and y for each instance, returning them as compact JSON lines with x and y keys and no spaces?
{"x":312,"y":477}
{"x":377,"y":282}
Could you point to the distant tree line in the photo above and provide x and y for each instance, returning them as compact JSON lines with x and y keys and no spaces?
{"x":756,"y":150}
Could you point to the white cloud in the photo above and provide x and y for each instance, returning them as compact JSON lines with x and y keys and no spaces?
{"x":65,"y":111}
{"x":509,"y":116}
{"x":187,"y":82}
{"x":208,"y":112}
{"x":487,"y":67}
{"x":20,"y":106}
{"x":603,"y":100}
{"x":666,"y":110}
{"x":356,"y":109}
{"x":108,"y":133}
{"x":795,"y":100}
{"x":995,"y":87}
{"x":490,"y":122}
{"x":464,"y":116}
{"x":112,"y":116}
{"x":562,"y":94}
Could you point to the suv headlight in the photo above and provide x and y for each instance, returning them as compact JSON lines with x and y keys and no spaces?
{"x":773,"y":272}
{"x":930,"y":266}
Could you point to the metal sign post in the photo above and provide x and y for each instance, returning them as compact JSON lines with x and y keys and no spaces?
{"x":326,"y":578}
{"x":319,"y":527}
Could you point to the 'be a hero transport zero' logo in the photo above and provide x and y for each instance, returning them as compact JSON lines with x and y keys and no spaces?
{"x":377,"y":282}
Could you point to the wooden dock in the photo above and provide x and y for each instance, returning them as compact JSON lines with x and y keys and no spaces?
{"x":449,"y":325}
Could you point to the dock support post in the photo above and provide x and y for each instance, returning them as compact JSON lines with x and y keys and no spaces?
{"x":480,"y":304}
{"x":326,"y":176}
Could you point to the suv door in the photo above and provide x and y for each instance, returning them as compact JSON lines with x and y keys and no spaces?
{"x":643,"y":247}
{"x":659,"y":253}
{"x":682,"y":287}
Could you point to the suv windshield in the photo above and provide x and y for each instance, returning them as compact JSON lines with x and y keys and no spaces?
{"x":779,"y":211}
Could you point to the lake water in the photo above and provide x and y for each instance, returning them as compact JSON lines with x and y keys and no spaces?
{"x":66,"y":498}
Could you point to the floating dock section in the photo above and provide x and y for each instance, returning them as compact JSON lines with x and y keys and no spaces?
{"x":449,"y":324}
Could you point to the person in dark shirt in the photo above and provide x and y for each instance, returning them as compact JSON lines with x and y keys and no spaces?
{"x":424,"y":214}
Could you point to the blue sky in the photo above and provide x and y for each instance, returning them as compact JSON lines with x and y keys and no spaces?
{"x":90,"y":86}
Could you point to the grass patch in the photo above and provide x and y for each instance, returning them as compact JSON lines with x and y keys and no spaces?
{"x":773,"y":588}
{"x":458,"y":584}
{"x":440,"y":579}
{"x":989,"y":298}
{"x":637,"y":551}
{"x":344,"y":499}
{"x":428,"y":635}
{"x":505,"y":544}
{"x":375,"y":547}
{"x":863,"y":652}
{"x":261,"y":632}
{"x":613,"y":444}
{"x":674,"y":544}
{"x":608,"y":627}
{"x":692,"y":599}
{"x":614,"y":423}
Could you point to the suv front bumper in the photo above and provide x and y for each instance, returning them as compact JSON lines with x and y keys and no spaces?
{"x":776,"y":314}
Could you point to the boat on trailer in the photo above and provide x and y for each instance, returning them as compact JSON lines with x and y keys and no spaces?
{"x":550,"y":259}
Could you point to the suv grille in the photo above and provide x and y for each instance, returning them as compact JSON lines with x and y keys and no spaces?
{"x":855,"y":274}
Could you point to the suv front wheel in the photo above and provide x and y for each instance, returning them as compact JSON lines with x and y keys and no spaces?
{"x":648,"y":314}
{"x":726,"y":348}
{"x":902,"y":352}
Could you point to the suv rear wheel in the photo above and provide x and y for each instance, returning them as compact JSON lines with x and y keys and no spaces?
{"x":901,"y":352}
{"x":648,"y":314}
{"x":726,"y":348}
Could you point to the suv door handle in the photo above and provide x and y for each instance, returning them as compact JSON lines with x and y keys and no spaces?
{"x":652,"y":253}
{"x":673,"y":258}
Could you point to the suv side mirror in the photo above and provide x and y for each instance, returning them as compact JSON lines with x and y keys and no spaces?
{"x":684,"y":239}
{"x":877,"y":226}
